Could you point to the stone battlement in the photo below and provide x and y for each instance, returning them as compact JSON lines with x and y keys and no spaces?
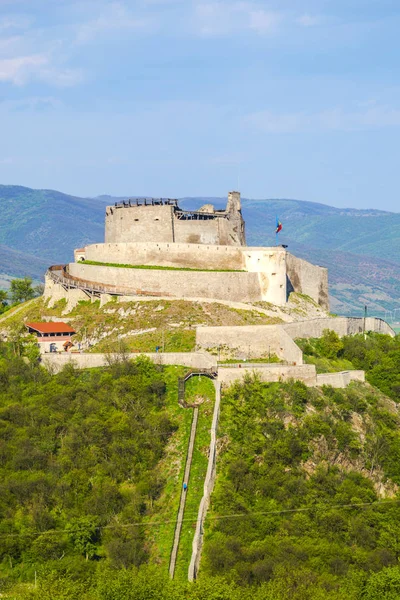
{"x":153,"y":247}
{"x":162,"y":220}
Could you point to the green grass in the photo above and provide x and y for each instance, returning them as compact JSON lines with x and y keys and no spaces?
{"x":271,"y":359}
{"x":161,"y":537}
{"x":195,"y":388}
{"x":328,"y":365}
{"x":179,"y":340}
{"x":159,"y":268}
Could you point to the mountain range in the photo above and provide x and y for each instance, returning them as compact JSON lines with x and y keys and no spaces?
{"x":361,"y":248}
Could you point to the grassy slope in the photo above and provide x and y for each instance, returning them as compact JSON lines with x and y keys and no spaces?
{"x":161,"y":536}
{"x":125,"y":325}
{"x":197,"y":389}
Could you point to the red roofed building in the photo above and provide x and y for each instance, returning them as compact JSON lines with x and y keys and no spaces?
{"x":52,"y":337}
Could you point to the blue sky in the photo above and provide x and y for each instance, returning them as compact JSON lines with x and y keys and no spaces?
{"x":289,"y":99}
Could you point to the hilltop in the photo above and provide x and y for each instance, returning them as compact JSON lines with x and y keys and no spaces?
{"x":140,"y":326}
{"x":361,"y":248}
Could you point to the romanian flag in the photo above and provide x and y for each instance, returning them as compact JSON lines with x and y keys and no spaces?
{"x":278,"y":226}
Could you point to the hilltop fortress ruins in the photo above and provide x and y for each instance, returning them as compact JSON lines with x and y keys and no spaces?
{"x":153,"y":248}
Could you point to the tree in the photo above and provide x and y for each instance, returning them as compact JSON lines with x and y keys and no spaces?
{"x":21,"y":290}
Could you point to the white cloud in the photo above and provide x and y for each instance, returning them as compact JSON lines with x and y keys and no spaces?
{"x":115,"y":16}
{"x":22,"y":69}
{"x":220,"y":18}
{"x":263,"y":21}
{"x":335,"y":119}
{"x":19,"y":69}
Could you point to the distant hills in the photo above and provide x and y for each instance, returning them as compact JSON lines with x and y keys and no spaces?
{"x":361,"y":248}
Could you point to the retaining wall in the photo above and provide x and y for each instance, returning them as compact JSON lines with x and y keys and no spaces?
{"x":340,"y":380}
{"x":341,"y":325}
{"x":269,"y":373}
{"x":236,"y":287}
{"x":252,"y":341}
{"x":309,"y":279}
{"x":197,"y":360}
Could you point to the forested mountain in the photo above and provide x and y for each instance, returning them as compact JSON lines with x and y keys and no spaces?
{"x":361,"y":248}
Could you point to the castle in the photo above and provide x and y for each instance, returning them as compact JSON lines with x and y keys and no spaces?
{"x":153,"y":248}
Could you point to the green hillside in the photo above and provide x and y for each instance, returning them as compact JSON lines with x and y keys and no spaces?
{"x":48,"y":224}
{"x":312,"y":477}
{"x":306,"y":502}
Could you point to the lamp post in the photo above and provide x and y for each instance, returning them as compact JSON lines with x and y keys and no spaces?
{"x":365,"y":318}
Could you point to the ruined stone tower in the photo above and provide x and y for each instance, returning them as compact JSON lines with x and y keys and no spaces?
{"x":164,"y":221}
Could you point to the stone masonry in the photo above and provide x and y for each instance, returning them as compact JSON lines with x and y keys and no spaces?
{"x":154,"y":248}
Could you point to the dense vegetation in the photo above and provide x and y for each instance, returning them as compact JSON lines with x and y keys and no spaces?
{"x":306,"y":504}
{"x":292,"y":461}
{"x":78,"y":465}
{"x":378,"y":355}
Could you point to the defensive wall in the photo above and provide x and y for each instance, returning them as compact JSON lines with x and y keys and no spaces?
{"x":257,"y":274}
{"x":314,"y":328}
{"x":197,"y":360}
{"x":158,"y":233}
{"x":191,"y":256}
{"x":255,"y":341}
{"x":252,"y":341}
{"x":227,"y":374}
{"x":164,"y":221}
{"x":235,"y":286}
{"x":306,"y":278}
{"x":340,"y":380}
{"x":268,"y":373}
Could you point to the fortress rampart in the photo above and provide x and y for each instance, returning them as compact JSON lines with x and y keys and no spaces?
{"x":240,"y":287}
{"x":192,"y":254}
{"x":164,"y":221}
{"x":306,"y":278}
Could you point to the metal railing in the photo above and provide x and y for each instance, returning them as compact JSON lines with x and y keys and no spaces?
{"x":211,"y":373}
{"x":60,"y":275}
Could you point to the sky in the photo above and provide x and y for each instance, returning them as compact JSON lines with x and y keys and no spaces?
{"x":279,"y":99}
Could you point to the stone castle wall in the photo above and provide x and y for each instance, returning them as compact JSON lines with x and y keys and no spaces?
{"x":197,"y":360}
{"x":306,"y":278}
{"x":164,"y":223}
{"x":158,"y":233}
{"x":252,"y":341}
{"x":237,"y":287}
{"x":192,"y":256}
{"x":269,"y":373}
{"x":257,"y":274}
{"x":314,"y":328}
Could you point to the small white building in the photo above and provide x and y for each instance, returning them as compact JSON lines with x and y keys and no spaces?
{"x":52,"y":337}
{"x":79,"y":254}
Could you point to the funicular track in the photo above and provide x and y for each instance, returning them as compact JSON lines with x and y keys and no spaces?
{"x":212,"y":374}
